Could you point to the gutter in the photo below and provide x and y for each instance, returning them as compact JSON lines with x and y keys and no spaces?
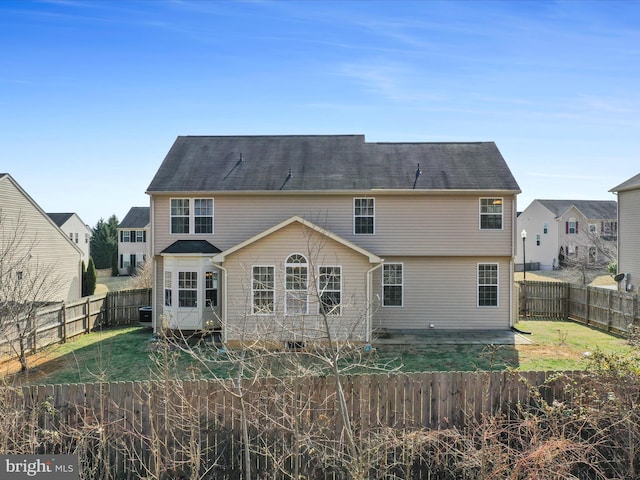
{"x":369,"y":300}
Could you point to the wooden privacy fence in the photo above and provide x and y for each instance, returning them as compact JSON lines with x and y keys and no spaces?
{"x":171,"y":428}
{"x":603,"y":308}
{"x":66,"y":320}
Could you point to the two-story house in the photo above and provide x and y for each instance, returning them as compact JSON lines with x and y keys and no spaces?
{"x":38,"y":259}
{"x":291,"y":237}
{"x":78,"y":231}
{"x":569,"y":231}
{"x":134,"y":245}
{"x":628,"y":193}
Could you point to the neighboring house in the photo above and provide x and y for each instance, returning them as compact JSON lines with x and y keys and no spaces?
{"x":134,"y":245}
{"x":262,"y":235}
{"x":629,"y":232}
{"x":47,"y":248}
{"x":576,"y":229}
{"x":78,"y":231}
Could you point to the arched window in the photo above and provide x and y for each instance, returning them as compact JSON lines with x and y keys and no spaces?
{"x":296,"y":285}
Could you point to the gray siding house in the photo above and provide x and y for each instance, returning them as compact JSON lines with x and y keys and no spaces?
{"x":290,"y":237}
{"x":629,"y":232}
{"x":134,"y":244}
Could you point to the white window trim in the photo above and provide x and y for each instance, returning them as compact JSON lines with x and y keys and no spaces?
{"x":192,"y":215}
{"x":393,"y":285}
{"x":165,"y":288}
{"x":126,"y":236}
{"x":480,"y":214}
{"x":497,"y":285}
{"x":253,"y":310}
{"x":573,"y":221}
{"x":339,"y":312}
{"x":353,"y":211}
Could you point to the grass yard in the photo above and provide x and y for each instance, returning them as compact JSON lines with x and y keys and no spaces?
{"x":125,"y":354}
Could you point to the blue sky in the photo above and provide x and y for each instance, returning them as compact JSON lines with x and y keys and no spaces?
{"x":93,"y":94}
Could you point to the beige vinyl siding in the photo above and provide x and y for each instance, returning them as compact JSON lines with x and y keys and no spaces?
{"x":51,"y":250}
{"x":628,"y":235}
{"x":405,"y":224}
{"x":443,"y":292}
{"x":274,"y":250}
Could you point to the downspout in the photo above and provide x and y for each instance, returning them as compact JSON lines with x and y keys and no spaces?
{"x":513,"y":304}
{"x":154,"y":272}
{"x":370,"y":300}
{"x":224,"y":302}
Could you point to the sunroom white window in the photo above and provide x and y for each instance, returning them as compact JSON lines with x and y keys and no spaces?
{"x":330,"y":290}
{"x":211,"y":289}
{"x":167,"y":288}
{"x":262,"y":290}
{"x":296,"y":285}
{"x":188,"y":289}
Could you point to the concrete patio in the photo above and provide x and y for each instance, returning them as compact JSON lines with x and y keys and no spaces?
{"x":454,"y":337}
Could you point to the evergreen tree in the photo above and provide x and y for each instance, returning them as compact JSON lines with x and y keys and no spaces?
{"x":84,"y":279}
{"x":91,"y":278}
{"x":104,"y":242}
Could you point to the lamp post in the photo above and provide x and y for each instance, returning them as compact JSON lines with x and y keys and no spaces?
{"x":523,"y":234}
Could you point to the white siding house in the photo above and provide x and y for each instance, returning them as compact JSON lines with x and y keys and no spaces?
{"x":134,"y":243}
{"x":270,"y":236}
{"x":78,"y":231}
{"x":574,"y":228}
{"x":45,"y":248}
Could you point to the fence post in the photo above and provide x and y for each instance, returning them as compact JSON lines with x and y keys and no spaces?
{"x":64,"y":322}
{"x":609,"y":312}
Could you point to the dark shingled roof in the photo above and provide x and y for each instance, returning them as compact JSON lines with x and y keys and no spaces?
{"x":137,"y":217}
{"x":327,"y":162}
{"x":631,"y":184}
{"x":59,"y":218}
{"x":191,"y":246}
{"x":591,"y":209}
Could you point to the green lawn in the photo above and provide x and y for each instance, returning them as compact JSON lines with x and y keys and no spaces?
{"x":131,"y":354}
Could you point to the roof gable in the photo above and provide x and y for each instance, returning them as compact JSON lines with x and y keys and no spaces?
{"x":631,"y":184}
{"x":591,"y":209}
{"x":60,"y":218}
{"x":327,"y":163}
{"x":190,"y":247}
{"x":137,"y":217}
{"x":296,"y":219}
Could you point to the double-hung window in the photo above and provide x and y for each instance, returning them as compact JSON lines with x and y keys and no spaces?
{"x":192,"y":215}
{"x":211,"y":289}
{"x":167,"y":288}
{"x":488,"y":285}
{"x":126,"y":236}
{"x":188,"y":289}
{"x":364,"y":216}
{"x":392,"y":283}
{"x":180,"y":215}
{"x":572,"y":226}
{"x":330,"y":290}
{"x":296,"y":278}
{"x":263,"y":290}
{"x":491,"y":213}
{"x":140,"y":236}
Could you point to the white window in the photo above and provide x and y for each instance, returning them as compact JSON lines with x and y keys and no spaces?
{"x":538,"y":239}
{"x":179,"y":215}
{"x":126,"y":236}
{"x":263,"y":290}
{"x":488,"y":285}
{"x":140,"y":236}
{"x":593,"y":228}
{"x":593,"y":255}
{"x":198,"y":219}
{"x":296,"y":286}
{"x":75,"y":237}
{"x":392,"y":284}
{"x":187,"y":289}
{"x":330,"y":290}
{"x":545,"y":228}
{"x":572,"y":227}
{"x":363,"y":216}
{"x":491,"y":213}
{"x":167,"y":288}
{"x":211,"y":289}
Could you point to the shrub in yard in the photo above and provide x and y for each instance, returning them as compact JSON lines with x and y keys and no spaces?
{"x":89,"y":279}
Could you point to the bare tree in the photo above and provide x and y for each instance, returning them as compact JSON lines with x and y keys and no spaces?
{"x":143,"y":277}
{"x":27,"y":284}
{"x":589,"y":255}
